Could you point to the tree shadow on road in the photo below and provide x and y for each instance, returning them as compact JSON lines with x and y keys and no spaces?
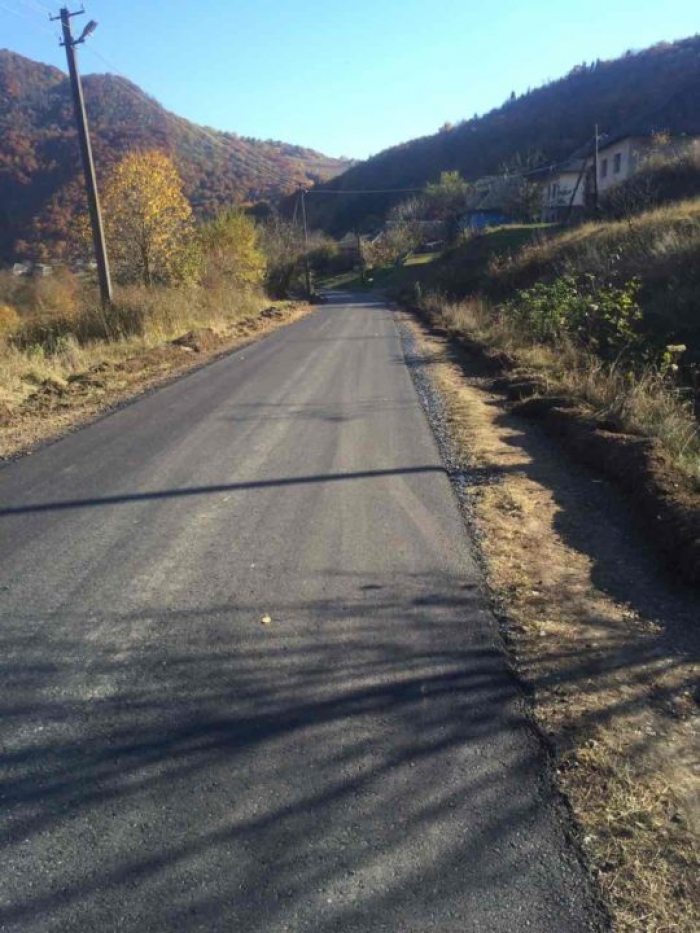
{"x":349,"y":767}
{"x":610,"y":638}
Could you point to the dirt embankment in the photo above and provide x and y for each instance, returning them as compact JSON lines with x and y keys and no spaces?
{"x":56,"y":406}
{"x":667,"y":501}
{"x":605,"y":641}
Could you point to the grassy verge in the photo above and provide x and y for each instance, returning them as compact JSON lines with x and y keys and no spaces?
{"x":660,"y":247}
{"x":389,"y":277}
{"x":608,"y":646}
{"x":607,"y":355}
{"x":458,"y":270}
{"x":648,"y":405}
{"x":63,"y":361}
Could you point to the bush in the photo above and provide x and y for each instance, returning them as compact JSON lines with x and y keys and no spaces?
{"x":603,"y":319}
{"x":645,"y":399}
{"x":661,"y":248}
{"x":327,"y":259}
{"x":9,"y":320}
{"x":230,"y":253}
{"x":283,"y":246}
{"x":49,"y":308}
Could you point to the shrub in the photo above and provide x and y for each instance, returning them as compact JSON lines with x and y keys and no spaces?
{"x":283,"y":246}
{"x":230,"y":253}
{"x":9,"y":320}
{"x":49,"y":308}
{"x":644,"y":400}
{"x":661,"y":248}
{"x":669,"y":173}
{"x":604,"y":319}
{"x":326,"y":257}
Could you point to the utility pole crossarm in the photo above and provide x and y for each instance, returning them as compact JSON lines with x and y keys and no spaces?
{"x":98,"y":236}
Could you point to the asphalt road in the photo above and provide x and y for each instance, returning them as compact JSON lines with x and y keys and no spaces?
{"x":168,"y":762}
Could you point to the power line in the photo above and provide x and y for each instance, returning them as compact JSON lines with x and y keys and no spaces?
{"x":371,"y":191}
{"x":25,"y":15}
{"x":356,"y":192}
{"x":37,"y":9}
{"x":226,"y":149}
{"x":365,"y":191}
{"x":37,"y":6}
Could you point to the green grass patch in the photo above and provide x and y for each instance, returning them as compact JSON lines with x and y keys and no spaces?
{"x":458,"y":271}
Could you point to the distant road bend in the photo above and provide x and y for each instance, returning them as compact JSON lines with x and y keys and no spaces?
{"x":249,"y":684}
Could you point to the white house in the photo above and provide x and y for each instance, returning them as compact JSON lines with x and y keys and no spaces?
{"x":568,"y":189}
{"x":619,"y":158}
{"x":564,"y":191}
{"x":37,"y":269}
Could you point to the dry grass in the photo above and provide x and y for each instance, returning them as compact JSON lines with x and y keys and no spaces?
{"x":657,"y":235}
{"x":648,"y":405}
{"x":63,"y":361}
{"x":646,"y":856}
{"x":660,"y":248}
{"x":596,"y":631}
{"x":56,"y":329}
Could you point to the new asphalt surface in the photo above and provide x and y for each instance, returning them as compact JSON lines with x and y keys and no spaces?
{"x":248,"y":681}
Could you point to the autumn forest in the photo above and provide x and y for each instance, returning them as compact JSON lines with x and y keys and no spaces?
{"x":40,"y":189}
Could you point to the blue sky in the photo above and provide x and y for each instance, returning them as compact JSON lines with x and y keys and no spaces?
{"x":347,"y":77}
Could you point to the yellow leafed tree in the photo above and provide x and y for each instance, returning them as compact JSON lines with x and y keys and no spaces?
{"x":231,"y":252}
{"x":148,"y":221}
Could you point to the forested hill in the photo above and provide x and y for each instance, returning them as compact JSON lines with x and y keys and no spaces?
{"x":655,"y":89}
{"x":39,"y":156}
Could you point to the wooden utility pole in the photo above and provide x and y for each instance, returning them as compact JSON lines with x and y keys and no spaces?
{"x":307,"y":270}
{"x":98,"y":236}
{"x":360,"y":255}
{"x":596,"y":168}
{"x":572,"y":201}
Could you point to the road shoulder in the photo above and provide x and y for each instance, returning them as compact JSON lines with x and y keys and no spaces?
{"x":604,"y":643}
{"x":59,"y":408}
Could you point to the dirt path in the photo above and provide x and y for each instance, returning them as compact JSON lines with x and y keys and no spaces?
{"x":605,"y":641}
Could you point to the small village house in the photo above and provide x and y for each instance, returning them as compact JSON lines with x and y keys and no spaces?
{"x":570,"y":187}
{"x":618,"y":160}
{"x":34,"y":269}
{"x":564,"y":191}
{"x":620,"y":156}
{"x":487,"y":202}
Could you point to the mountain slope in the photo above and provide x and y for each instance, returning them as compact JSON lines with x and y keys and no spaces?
{"x":658,"y":88}
{"x":39,"y":156}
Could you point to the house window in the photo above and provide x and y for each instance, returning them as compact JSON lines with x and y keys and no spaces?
{"x":604,"y":168}
{"x":617,"y":163}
